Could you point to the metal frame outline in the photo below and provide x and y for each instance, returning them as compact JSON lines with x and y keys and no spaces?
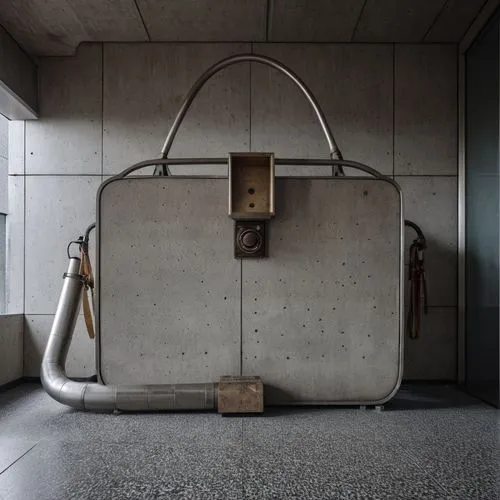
{"x":220,"y":161}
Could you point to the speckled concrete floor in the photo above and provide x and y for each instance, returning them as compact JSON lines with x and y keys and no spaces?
{"x":431,"y":442}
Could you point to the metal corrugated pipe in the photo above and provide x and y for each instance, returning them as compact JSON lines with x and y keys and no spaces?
{"x":99,"y":397}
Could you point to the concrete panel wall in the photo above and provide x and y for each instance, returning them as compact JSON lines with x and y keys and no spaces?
{"x":11,"y":348}
{"x":68,"y":138}
{"x":4,"y":147}
{"x":383,"y":103}
{"x":142,"y":99}
{"x":58,"y":209}
{"x":18,"y":80}
{"x":15,"y":246}
{"x":425,"y":139}
{"x":425,"y":165}
{"x":354,"y":86}
{"x":14,"y":285}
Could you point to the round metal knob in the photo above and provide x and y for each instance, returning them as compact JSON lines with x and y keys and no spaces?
{"x":250,"y":240}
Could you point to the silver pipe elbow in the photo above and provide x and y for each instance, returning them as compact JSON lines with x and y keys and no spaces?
{"x":99,"y":397}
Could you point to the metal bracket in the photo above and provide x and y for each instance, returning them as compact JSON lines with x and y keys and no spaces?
{"x":251,"y":186}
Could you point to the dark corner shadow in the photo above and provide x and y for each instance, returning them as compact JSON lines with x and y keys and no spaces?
{"x":411,"y":396}
{"x":18,"y":390}
{"x":415,"y":396}
{"x":429,"y":396}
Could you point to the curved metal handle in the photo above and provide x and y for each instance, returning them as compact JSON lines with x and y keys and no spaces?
{"x":229,"y":61}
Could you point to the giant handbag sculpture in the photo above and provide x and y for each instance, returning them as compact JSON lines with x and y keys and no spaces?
{"x":230,"y":292}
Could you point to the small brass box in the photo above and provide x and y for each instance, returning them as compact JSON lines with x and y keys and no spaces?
{"x":240,"y":395}
{"x":251,"y":186}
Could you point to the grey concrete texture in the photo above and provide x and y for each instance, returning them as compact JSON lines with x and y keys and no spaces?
{"x":318,"y":21}
{"x":357,"y":96}
{"x":434,"y":353}
{"x":320,"y":315}
{"x":402,"y":20}
{"x":454,"y":20}
{"x":4,"y":137}
{"x":431,"y":442}
{"x":4,"y":186}
{"x":56,"y":28}
{"x":353,"y":84}
{"x":169,"y":288}
{"x":204,"y":20}
{"x":139,"y":103}
{"x":425,"y":136}
{"x":68,"y":137}
{"x":11,"y":348}
{"x":15,"y":237}
{"x":324,"y":284}
{"x":17,"y":72}
{"x":16,"y":147}
{"x":142,"y":99}
{"x":12,"y":450}
{"x":58,"y":210}
{"x":432,"y":203}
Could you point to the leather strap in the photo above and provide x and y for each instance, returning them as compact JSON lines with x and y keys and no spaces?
{"x":86,"y":272}
{"x":418,"y":290}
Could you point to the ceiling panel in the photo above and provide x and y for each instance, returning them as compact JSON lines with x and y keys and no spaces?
{"x":318,"y":21}
{"x":454,"y":20}
{"x":205,"y":20}
{"x":397,"y":20}
{"x":56,"y":27}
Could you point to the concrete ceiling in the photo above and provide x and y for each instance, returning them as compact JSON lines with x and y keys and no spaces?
{"x":56,"y":27}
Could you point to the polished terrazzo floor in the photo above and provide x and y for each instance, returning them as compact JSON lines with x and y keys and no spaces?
{"x":431,"y":442}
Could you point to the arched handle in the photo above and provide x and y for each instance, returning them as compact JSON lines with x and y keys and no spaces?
{"x":335,"y":153}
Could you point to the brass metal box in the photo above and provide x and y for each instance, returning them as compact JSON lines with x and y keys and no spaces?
{"x":251,"y":186}
{"x":240,"y":395}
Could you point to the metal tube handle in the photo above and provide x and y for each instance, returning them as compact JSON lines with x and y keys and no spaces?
{"x":335,"y":153}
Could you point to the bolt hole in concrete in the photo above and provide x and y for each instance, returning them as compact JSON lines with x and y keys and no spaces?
{"x":251,"y":205}
{"x":251,"y":191}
